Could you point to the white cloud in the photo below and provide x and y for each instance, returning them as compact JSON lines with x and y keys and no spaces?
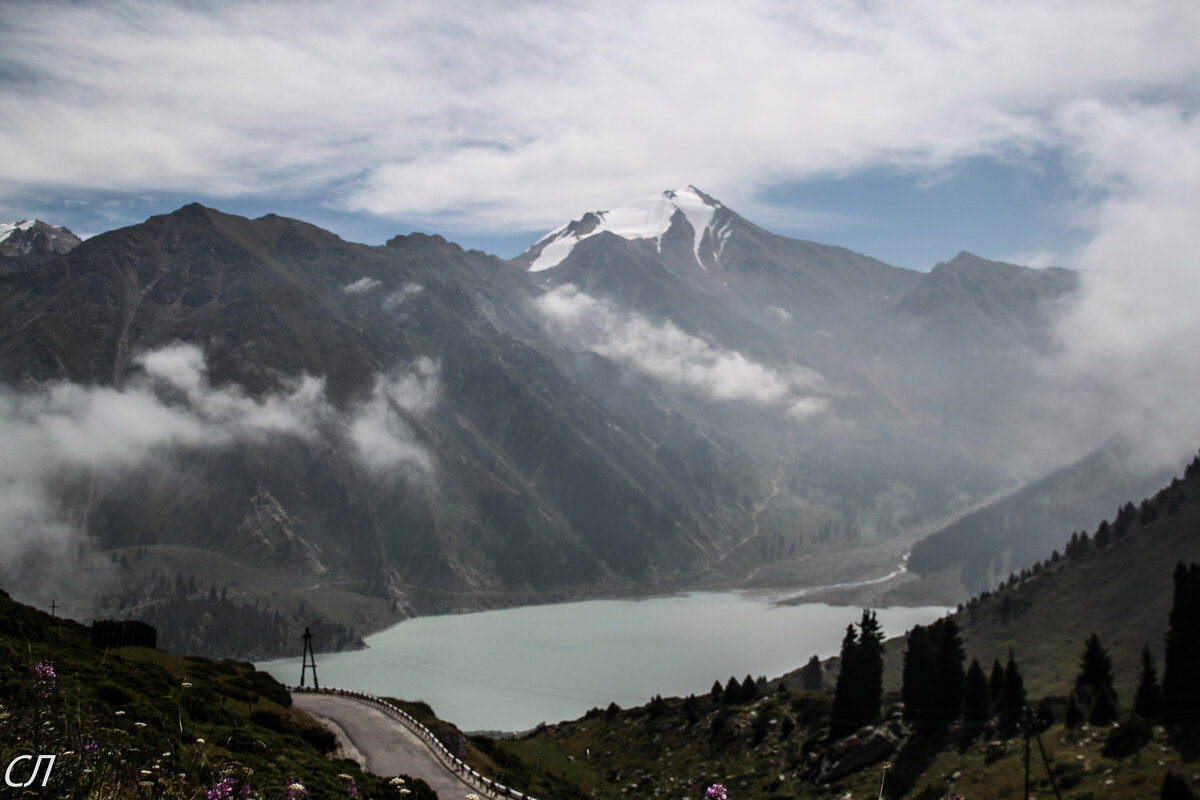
{"x":663,"y":351}
{"x":520,"y":115}
{"x":64,"y":429}
{"x":360,"y":286}
{"x":779,"y":313}
{"x":1127,"y":360}
{"x":401,"y":296}
{"x":380,"y":434}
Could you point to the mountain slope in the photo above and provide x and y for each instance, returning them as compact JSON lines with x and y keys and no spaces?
{"x":1122,"y":592}
{"x":387,"y":415}
{"x":675,"y":397}
{"x":911,"y":394}
{"x":1023,"y":528}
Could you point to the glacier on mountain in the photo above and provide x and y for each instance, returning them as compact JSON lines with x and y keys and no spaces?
{"x":647,"y":218}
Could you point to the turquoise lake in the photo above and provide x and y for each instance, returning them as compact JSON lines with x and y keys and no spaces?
{"x":511,"y":669}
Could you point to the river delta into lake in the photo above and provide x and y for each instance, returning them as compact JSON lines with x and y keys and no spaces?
{"x":511,"y":669}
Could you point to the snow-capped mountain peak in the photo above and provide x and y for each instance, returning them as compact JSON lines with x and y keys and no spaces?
{"x":646,"y":218}
{"x":32,"y":242}
{"x":7,"y":229}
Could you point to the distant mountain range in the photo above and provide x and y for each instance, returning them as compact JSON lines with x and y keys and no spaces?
{"x":664,"y":395}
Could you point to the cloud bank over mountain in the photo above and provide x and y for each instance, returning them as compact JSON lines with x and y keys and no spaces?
{"x":64,"y":432}
{"x":501,"y":118}
{"x":663,"y":351}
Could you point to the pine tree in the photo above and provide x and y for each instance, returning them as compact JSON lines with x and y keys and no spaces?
{"x":859,"y":688}
{"x":841,"y":718}
{"x":1012,"y":700}
{"x":1073,"y":716}
{"x":1148,"y":703}
{"x":1095,"y":678}
{"x":810,"y":676}
{"x":733,"y":692}
{"x":870,"y":643}
{"x":933,"y":679}
{"x":996,"y":684}
{"x":975,"y":694}
{"x":916,"y":688}
{"x":948,"y":669}
{"x":1181,"y":696}
{"x":716,"y":693}
{"x":1104,"y":710}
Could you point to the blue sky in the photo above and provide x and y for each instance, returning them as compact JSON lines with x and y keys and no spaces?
{"x":1004,"y":211}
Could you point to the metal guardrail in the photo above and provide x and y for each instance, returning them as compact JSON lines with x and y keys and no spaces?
{"x":452,"y":762}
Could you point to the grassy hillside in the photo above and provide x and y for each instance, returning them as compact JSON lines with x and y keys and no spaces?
{"x":136,"y":722}
{"x":1121,"y":592}
{"x":768,"y":748}
{"x":1020,"y":529}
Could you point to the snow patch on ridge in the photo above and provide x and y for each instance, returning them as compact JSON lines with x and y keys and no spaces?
{"x":646,"y":218}
{"x":6,"y":230}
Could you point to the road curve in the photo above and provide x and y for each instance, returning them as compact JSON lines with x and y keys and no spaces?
{"x":387,"y":747}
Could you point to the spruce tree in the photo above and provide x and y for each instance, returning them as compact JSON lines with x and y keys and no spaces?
{"x":948,"y":670}
{"x":1095,"y":676}
{"x":916,"y":687}
{"x":841,"y":718}
{"x":975,"y":694}
{"x":1181,"y":696}
{"x":810,"y":676}
{"x":733,"y":692}
{"x":1012,"y":700}
{"x":996,"y":684}
{"x":870,"y":642}
{"x":860,"y":682}
{"x":1148,"y":703}
{"x":1104,"y":710}
{"x":1073,"y":716}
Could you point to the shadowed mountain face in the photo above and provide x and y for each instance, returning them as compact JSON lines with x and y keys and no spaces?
{"x":652,"y":397}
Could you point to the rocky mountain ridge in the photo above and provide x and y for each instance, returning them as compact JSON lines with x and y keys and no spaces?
{"x":447,"y":430}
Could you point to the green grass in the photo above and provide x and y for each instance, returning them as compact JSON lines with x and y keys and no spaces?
{"x":135,"y":722}
{"x":1123,"y":593}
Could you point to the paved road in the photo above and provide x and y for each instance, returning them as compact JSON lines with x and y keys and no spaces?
{"x":387,"y":747}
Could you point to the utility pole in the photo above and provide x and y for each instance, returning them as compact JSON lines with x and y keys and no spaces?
{"x":53,"y":607}
{"x":309,"y":657}
{"x":1031,"y":724}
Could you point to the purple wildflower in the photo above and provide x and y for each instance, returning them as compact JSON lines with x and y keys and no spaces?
{"x":222,"y":789}
{"x":352,"y":788}
{"x":228,"y":788}
{"x":44,"y":672}
{"x":90,"y":746}
{"x":716,"y":792}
